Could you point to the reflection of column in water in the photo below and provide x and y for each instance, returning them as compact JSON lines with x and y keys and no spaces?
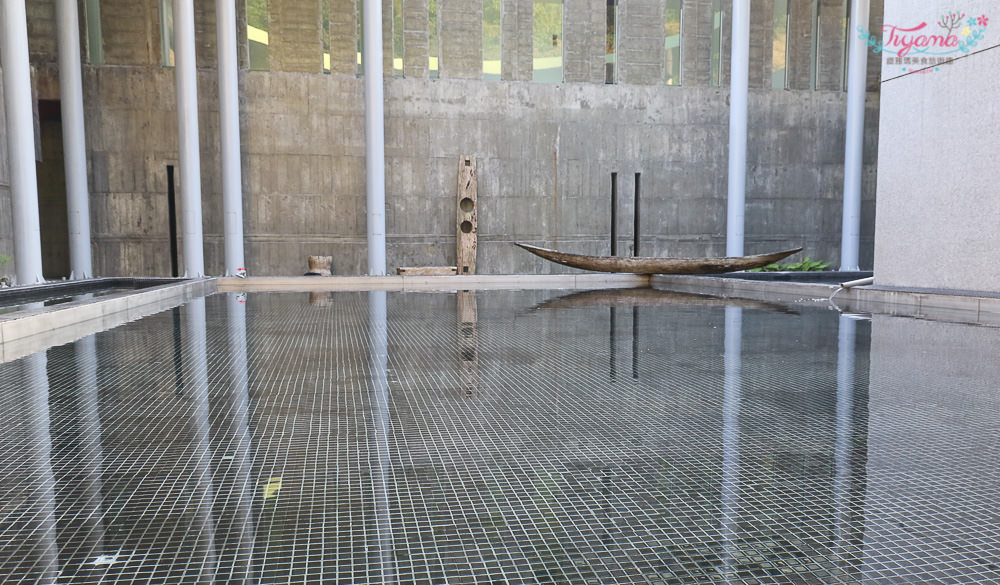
{"x":236,"y":533}
{"x":468,"y":318}
{"x":27,"y":482}
{"x":196,"y":388}
{"x":378,"y":458}
{"x":78,"y":458}
{"x":731,"y":437}
{"x":845,"y":411}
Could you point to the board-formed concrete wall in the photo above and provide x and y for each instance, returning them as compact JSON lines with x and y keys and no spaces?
{"x":939,"y":207}
{"x":545,"y":151}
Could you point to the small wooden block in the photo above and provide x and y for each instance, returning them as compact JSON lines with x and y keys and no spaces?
{"x":426,"y":270}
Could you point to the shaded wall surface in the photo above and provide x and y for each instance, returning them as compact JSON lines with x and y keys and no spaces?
{"x":940,"y":165}
{"x":545,"y":151}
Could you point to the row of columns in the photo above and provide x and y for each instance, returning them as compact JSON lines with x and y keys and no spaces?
{"x":21,"y":146}
{"x":854,"y":140}
{"x":20,"y":136}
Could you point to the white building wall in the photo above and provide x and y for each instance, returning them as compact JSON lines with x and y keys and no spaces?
{"x":938,"y":200}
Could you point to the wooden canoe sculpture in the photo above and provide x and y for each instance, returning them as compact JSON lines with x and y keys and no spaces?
{"x":658,"y":265}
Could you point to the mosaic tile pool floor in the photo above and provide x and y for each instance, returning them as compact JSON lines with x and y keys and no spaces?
{"x":504,"y":437}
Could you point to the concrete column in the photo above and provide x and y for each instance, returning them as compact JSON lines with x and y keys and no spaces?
{"x":229,"y":121}
{"x":857,"y":73}
{"x":374,"y":137}
{"x":20,"y":141}
{"x":74,"y":139}
{"x":187,"y":135}
{"x":738,"y":94}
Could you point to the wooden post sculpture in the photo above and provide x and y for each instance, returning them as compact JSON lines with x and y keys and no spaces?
{"x":468,"y":215}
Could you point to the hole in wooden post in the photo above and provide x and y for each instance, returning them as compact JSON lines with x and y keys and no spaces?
{"x":466,"y":228}
{"x":466,"y":205}
{"x":468,"y":162}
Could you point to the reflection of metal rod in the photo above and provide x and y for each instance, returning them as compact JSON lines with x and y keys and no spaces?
{"x":613,"y":346}
{"x":178,"y":359}
{"x":380,"y":462}
{"x":635,"y":343}
{"x":731,"y":435}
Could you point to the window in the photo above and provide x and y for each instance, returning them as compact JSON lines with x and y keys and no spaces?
{"x":547,"y":44}
{"x":397,"y":38}
{"x":326,"y":35}
{"x":716,"y":44}
{"x":779,"y":45}
{"x":167,"y":33}
{"x":672,"y":68}
{"x":433,"y":41}
{"x":491,"y":40}
{"x":360,"y":34}
{"x":95,"y":40}
{"x":611,"y":42}
{"x":257,"y":39}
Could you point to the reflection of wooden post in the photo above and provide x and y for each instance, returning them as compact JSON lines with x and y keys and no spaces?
{"x":468,"y":215}
{"x":468,"y":317}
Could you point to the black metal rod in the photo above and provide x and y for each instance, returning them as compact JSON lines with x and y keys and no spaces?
{"x":172,"y":214}
{"x":614,"y":216}
{"x":635,"y":217}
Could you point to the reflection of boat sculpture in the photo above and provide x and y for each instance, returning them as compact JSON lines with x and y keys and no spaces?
{"x":651,"y":297}
{"x":658,"y":265}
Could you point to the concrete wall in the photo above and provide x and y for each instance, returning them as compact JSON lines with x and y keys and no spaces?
{"x":545,"y":151}
{"x":938,"y":207}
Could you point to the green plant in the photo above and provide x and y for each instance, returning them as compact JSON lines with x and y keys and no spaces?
{"x":804,"y":265}
{"x":4,"y":281}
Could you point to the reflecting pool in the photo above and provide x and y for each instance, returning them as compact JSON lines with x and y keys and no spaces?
{"x":514,"y":437}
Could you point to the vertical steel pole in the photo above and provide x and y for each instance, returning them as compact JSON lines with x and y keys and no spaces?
{"x":738,"y":97}
{"x":21,"y":142}
{"x":614,"y":214}
{"x":374,"y":136}
{"x":74,"y":139}
{"x":635,"y":216}
{"x":229,"y":118}
{"x":857,"y":75}
{"x":187,"y":136}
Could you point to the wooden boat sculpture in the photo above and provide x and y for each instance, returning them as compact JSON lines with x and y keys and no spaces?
{"x":658,"y":265}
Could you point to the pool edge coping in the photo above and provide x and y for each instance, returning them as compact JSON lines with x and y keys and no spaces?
{"x":25,"y":332}
{"x":956,"y":308}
